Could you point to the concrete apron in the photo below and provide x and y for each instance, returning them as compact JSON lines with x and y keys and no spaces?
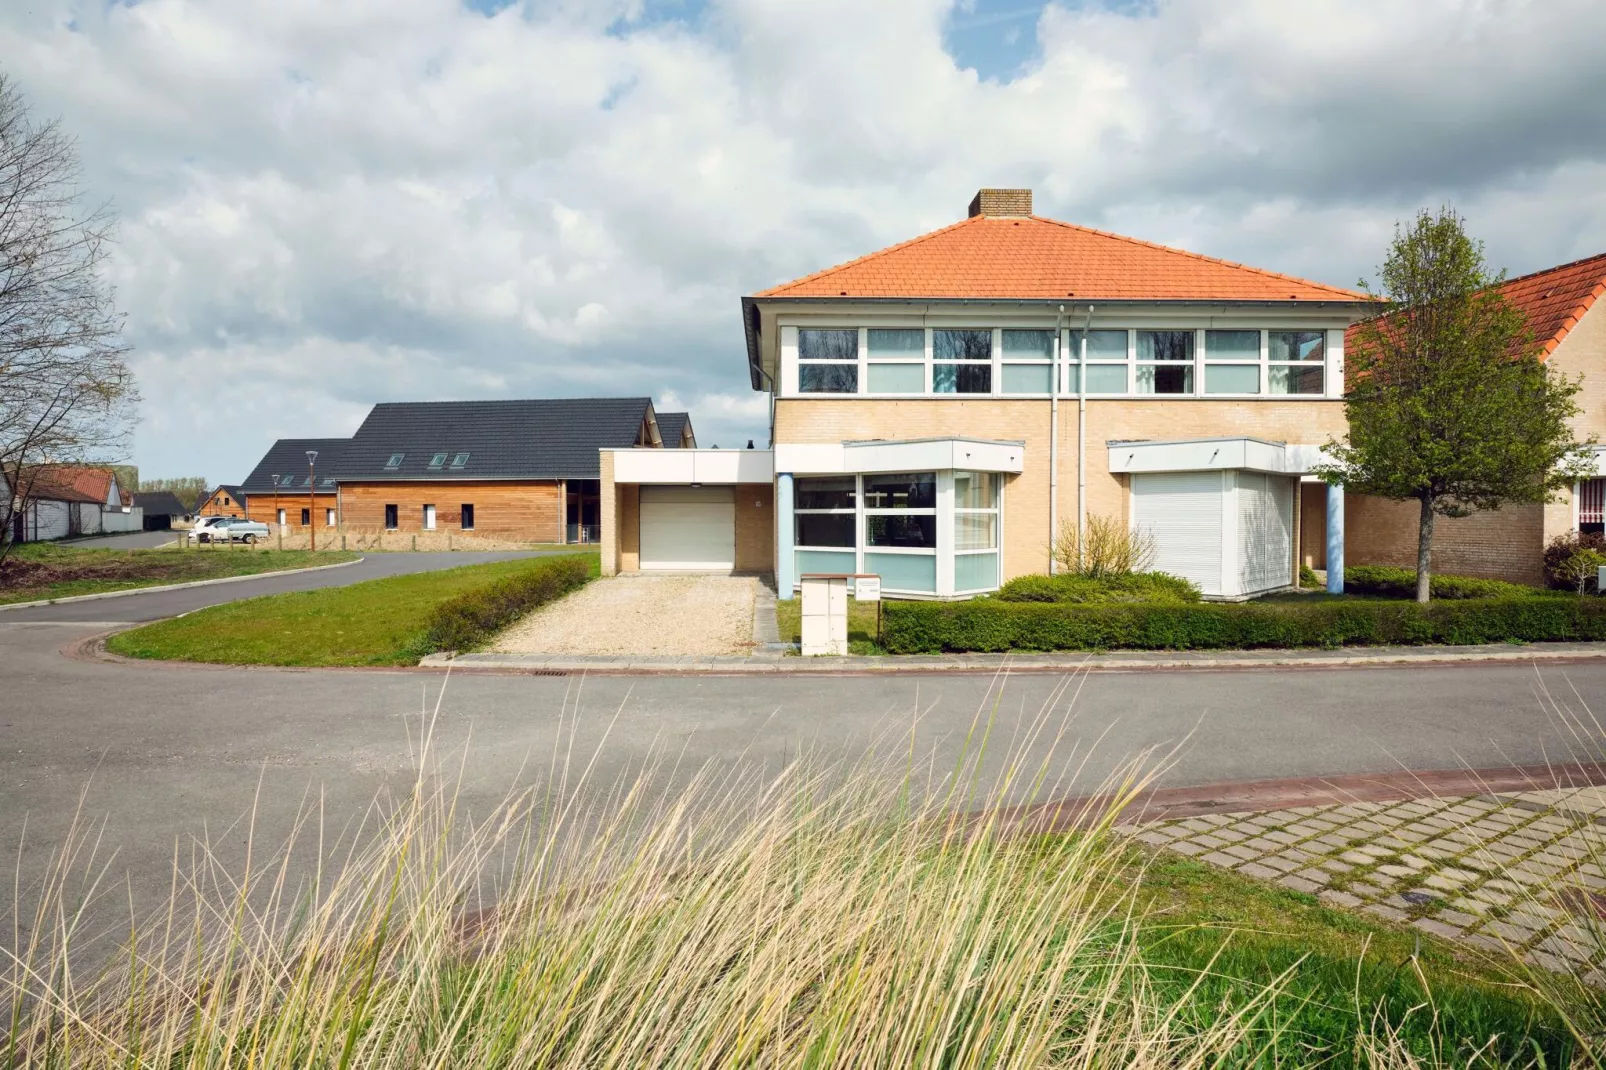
{"x":773,"y":661}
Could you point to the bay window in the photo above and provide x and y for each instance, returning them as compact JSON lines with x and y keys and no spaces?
{"x":897,"y":360}
{"x":825,"y":524}
{"x":1296,"y":362}
{"x":1232,"y":362}
{"x":1165,"y":362}
{"x":976,"y":531}
{"x":828,"y":360}
{"x":962,"y":362}
{"x":1028,"y":362}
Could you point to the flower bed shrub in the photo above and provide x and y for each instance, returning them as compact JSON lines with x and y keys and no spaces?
{"x":1131,"y":587}
{"x":465,"y":622}
{"x":1561,"y":550}
{"x":990,"y":624}
{"x":1401,"y":583}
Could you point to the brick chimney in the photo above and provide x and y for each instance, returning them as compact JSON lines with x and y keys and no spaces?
{"x":1002,"y":202}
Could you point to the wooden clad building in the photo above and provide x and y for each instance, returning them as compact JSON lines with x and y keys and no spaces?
{"x":280,"y":490}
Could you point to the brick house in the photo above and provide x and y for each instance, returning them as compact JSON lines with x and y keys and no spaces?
{"x":519,"y":469}
{"x":1563,"y":309}
{"x":279,"y":491}
{"x":943,"y":408}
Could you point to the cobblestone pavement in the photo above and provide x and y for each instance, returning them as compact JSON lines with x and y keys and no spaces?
{"x":1518,"y":871}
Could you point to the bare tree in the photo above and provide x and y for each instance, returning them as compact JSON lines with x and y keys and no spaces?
{"x":66,"y":392}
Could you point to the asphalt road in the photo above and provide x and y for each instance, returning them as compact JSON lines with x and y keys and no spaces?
{"x":163,"y":756}
{"x":159,"y":604}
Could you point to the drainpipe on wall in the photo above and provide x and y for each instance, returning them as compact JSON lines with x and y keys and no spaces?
{"x":1081,"y":440}
{"x":1054,"y":446}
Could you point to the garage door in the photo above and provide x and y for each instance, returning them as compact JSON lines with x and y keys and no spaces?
{"x":1181,"y":511}
{"x":688,"y":528}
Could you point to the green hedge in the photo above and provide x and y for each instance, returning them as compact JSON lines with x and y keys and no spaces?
{"x":1087,"y":590}
{"x":468,"y":620}
{"x":1401,"y":583}
{"x":988,"y":624}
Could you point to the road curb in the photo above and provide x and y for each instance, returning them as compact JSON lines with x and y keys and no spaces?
{"x":173,"y":586}
{"x":891,"y":665}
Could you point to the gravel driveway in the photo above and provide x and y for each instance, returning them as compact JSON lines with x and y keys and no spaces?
{"x":637,"y":614}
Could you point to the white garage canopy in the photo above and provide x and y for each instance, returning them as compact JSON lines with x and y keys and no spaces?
{"x":688,"y":528}
{"x":1230,"y":532}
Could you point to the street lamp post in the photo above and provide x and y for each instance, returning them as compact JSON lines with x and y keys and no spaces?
{"x":312,"y":499}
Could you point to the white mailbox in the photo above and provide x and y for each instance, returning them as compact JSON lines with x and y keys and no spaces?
{"x":825,"y":614}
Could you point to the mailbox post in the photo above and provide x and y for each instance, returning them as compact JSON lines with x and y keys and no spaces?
{"x":825,"y":609}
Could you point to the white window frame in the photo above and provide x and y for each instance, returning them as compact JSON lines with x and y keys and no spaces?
{"x":921,"y":359}
{"x":935,"y":511}
{"x":1206,"y":363}
{"x":857,"y":362}
{"x":1319,"y":365}
{"x":1052,"y":362}
{"x":1191,"y":364}
{"x":991,"y":363}
{"x":855,"y":511}
{"x":955,"y":512}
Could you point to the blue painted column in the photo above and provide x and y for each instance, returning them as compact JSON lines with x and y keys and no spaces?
{"x":1335,"y":538}
{"x":785,"y":559}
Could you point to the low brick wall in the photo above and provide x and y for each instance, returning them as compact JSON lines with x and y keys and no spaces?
{"x":1502,"y":544}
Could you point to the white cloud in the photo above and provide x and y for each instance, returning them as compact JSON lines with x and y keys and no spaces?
{"x":330,"y":204}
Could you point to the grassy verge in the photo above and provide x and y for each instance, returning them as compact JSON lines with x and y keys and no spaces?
{"x":46,"y":570}
{"x":832,"y":924}
{"x":861,"y":624}
{"x":1222,"y":938}
{"x":380,"y":622}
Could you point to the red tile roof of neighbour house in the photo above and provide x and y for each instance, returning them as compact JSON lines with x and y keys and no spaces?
{"x":66,"y":483}
{"x":1557,"y":298}
{"x":1554,"y":300}
{"x":1030,"y":257}
{"x":94,"y":484}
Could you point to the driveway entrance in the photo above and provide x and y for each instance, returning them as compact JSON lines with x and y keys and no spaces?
{"x":642,"y":614}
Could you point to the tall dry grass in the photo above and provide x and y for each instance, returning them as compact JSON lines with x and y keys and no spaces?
{"x":820,"y":917}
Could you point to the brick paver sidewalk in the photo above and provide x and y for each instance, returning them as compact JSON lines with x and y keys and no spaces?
{"x":1511,"y":871}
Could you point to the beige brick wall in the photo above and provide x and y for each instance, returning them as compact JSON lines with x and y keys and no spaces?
{"x":629,"y":527}
{"x":1313,"y":524}
{"x":1504,"y":544}
{"x":755,"y":528}
{"x":1582,"y":354}
{"x":608,"y":518}
{"x":1026,"y":496}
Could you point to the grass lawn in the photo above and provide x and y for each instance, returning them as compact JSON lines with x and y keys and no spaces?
{"x":1342,"y":968}
{"x":41,"y":570}
{"x":861,"y":624}
{"x":379,"y":622}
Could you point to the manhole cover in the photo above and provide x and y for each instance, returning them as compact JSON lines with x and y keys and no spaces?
{"x":1418,"y":899}
{"x":1579,"y":901}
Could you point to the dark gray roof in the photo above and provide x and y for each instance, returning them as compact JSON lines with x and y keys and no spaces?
{"x":549,"y":438}
{"x":287,"y":459}
{"x":161,"y":503}
{"x":670,"y":427}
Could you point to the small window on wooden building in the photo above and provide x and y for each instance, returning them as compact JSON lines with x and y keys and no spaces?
{"x":390,"y":518}
{"x":468,"y":517}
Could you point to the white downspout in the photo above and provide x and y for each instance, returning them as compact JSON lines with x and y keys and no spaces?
{"x":1081,"y":440}
{"x":1054,"y":446}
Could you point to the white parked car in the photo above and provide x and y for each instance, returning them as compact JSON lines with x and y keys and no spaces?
{"x":228,"y":529}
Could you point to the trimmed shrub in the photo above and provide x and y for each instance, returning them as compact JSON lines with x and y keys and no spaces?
{"x":1087,"y":590}
{"x":1561,"y":550}
{"x":990,"y":624}
{"x":465,"y":622}
{"x":1401,"y":583}
{"x":1307,"y":578}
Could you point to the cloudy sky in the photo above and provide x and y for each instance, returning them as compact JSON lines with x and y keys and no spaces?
{"x":328,"y":203}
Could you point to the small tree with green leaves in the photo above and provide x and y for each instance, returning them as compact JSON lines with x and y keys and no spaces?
{"x":1448,"y":403}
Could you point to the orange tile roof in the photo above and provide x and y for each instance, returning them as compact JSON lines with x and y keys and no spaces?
{"x":1557,"y":298}
{"x":1030,"y":257}
{"x":68,"y":483}
{"x":1554,"y":300}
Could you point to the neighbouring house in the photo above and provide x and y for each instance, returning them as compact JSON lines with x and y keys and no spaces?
{"x":944,"y":408}
{"x":226,"y":500}
{"x":527,"y":470}
{"x":280,"y":491}
{"x":675,"y":429}
{"x":162,"y":509}
{"x":1508,"y":543}
{"x":61,"y":501}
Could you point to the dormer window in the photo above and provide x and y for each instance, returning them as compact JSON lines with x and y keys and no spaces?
{"x":460,"y":461}
{"x":394,"y":462}
{"x":287,"y":481}
{"x":436,"y":461}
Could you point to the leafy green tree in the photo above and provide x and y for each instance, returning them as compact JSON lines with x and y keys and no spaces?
{"x":1448,"y":403}
{"x":191,"y":490}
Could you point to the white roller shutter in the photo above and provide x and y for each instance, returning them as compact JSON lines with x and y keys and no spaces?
{"x":1181,"y":511}
{"x":1265,"y":532}
{"x":690,"y":528}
